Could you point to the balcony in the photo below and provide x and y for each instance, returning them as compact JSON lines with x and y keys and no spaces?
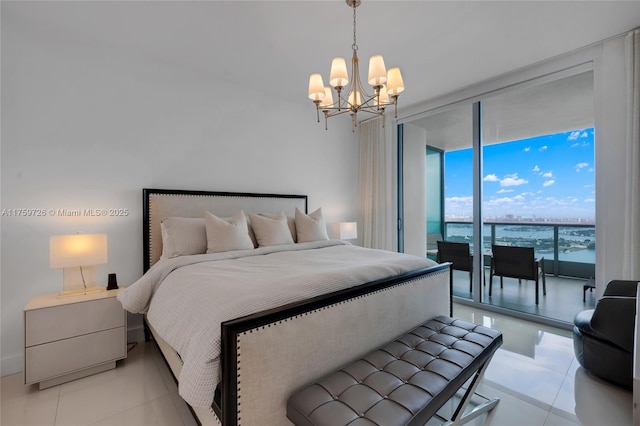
{"x":568,"y":248}
{"x":569,"y":253}
{"x":563,"y":300}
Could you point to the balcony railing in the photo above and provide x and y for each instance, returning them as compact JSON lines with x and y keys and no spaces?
{"x":568,"y":249}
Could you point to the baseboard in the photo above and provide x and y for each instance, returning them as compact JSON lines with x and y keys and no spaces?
{"x":11,"y":365}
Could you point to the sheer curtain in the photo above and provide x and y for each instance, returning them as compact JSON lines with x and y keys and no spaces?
{"x":631,"y":242}
{"x":376,"y":185}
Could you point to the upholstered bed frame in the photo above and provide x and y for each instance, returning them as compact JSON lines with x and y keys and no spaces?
{"x":259,"y":369}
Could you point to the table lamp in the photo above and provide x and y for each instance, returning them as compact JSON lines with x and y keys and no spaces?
{"x":348,"y":230}
{"x":78,"y":255}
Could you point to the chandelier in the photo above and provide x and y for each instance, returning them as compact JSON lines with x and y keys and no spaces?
{"x":351,"y":96}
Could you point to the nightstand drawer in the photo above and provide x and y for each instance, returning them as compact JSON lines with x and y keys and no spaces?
{"x":74,"y":319}
{"x":69,"y":355}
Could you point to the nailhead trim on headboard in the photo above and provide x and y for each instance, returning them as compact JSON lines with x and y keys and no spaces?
{"x":160,"y":199}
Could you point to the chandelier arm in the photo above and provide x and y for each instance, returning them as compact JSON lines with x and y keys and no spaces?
{"x":329,"y":114}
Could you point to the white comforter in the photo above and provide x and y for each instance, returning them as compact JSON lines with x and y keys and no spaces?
{"x":187,"y":298}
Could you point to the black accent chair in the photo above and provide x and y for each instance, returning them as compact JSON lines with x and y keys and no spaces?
{"x":603,"y":337}
{"x":517,"y":262}
{"x":460,"y":257}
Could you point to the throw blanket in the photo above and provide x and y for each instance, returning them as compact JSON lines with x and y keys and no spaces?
{"x":187,"y":298}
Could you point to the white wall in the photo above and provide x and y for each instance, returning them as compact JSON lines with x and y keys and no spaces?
{"x":85,"y":126}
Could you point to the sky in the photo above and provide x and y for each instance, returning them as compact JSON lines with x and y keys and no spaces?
{"x":548,"y":176}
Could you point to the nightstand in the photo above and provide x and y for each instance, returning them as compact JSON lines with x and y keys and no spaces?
{"x":69,"y":337}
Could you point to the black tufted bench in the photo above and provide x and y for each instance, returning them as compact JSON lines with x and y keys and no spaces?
{"x":405,"y":382}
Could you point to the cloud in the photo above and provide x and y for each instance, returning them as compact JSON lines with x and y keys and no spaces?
{"x":503,"y":191}
{"x":549,"y":182}
{"x":491,"y":178}
{"x":459,"y":205}
{"x":536,"y":169}
{"x":527,"y":149}
{"x":589,"y":200}
{"x":468,"y":199}
{"x":500,"y":201}
{"x":513,"y":180}
{"x":574,"y":135}
{"x":544,"y":148}
{"x":582,"y":144}
{"x":581,"y":166}
{"x":547,"y":174}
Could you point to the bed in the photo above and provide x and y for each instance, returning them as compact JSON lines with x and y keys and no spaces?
{"x":309,"y":320}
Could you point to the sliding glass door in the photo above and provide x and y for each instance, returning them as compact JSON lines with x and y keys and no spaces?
{"x":516,"y":168}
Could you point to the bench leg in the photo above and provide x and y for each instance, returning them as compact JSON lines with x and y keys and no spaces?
{"x":459,"y":416}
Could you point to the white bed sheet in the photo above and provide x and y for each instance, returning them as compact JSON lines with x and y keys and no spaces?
{"x":187,"y":298}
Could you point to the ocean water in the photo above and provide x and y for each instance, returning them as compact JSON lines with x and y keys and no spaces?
{"x":576,"y":243}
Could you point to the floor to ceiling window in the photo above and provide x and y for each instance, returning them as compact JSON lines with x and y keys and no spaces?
{"x":536,"y":176}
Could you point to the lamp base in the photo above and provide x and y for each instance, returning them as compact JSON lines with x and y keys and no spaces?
{"x":88,"y":290}
{"x":79,"y":280}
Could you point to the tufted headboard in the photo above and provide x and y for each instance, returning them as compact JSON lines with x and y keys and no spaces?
{"x":162,"y":203}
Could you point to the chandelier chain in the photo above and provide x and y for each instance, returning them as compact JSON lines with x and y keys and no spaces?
{"x":354,"y":46}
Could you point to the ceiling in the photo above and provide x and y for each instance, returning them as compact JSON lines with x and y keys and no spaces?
{"x":273,"y":46}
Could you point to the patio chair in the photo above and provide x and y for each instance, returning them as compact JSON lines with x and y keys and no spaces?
{"x":460,"y":257}
{"x":517,"y":262}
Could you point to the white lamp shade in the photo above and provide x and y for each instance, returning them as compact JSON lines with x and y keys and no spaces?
{"x":377,"y":71}
{"x":348,"y":230}
{"x":395,"y":85}
{"x":338,"y":76}
{"x":383,"y":97}
{"x":354,"y":99}
{"x":328,"y":98}
{"x":77,"y":250}
{"x":316,"y":87}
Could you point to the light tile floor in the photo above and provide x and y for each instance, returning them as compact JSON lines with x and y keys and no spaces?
{"x":563,"y":301}
{"x":140,"y":391}
{"x":534,"y":373}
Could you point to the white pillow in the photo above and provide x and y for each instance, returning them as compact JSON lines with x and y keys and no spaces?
{"x":310,"y":227}
{"x":227,"y":234}
{"x":183,"y":236}
{"x":271,"y":230}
